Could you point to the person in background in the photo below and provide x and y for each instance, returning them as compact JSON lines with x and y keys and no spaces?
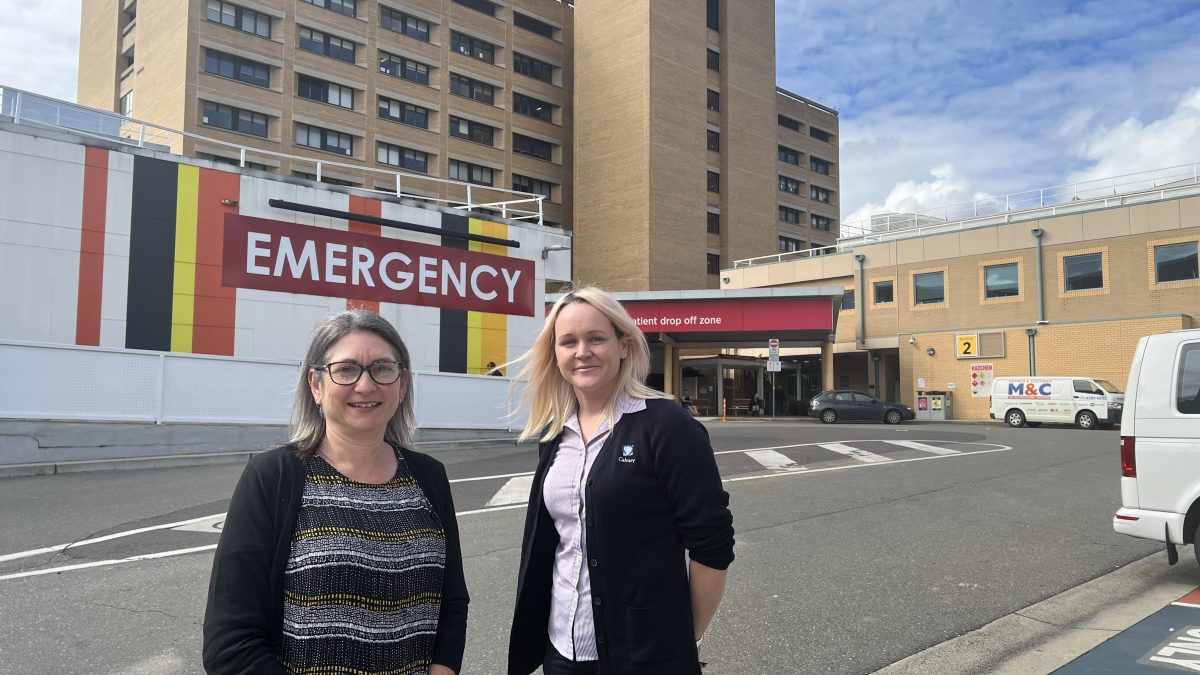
{"x":491,"y":369}
{"x":757,"y":405}
{"x":340,"y":550}
{"x":689,"y":405}
{"x":626,"y":483}
{"x":780,"y":401}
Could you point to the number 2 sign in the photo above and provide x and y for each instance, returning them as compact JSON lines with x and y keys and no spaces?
{"x":966,"y":346}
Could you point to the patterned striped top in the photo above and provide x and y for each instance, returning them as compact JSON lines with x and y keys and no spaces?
{"x":363,"y":584}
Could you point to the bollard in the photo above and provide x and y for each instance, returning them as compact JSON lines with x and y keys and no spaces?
{"x":724,"y":410}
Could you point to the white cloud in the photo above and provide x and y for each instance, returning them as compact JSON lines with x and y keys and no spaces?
{"x":41,"y":47}
{"x":1133,"y":146}
{"x":909,"y":196}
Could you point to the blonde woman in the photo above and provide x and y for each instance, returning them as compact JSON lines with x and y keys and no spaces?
{"x":626,"y":483}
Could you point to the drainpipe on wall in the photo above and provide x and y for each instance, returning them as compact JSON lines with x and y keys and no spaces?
{"x":860,"y":302}
{"x":1037,"y":235}
{"x":1032,"y":333}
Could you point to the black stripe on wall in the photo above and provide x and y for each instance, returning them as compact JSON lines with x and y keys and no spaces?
{"x":151,"y":254}
{"x":452,"y":347}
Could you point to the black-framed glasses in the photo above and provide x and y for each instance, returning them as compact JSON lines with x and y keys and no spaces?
{"x":348,"y":372}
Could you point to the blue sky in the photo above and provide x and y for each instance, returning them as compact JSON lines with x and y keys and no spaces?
{"x":940,"y":101}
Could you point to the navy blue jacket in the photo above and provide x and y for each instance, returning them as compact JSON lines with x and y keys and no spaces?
{"x":653,"y":492}
{"x":243,"y":623}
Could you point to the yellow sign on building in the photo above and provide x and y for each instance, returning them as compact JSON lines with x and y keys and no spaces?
{"x":966,"y":346}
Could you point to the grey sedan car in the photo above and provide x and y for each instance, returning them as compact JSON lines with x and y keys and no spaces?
{"x":845,"y":405}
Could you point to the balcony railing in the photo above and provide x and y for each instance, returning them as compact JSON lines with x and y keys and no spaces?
{"x":25,"y":107}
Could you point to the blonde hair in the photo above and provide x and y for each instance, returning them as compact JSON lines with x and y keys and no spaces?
{"x":307,"y":428}
{"x":547,"y":397}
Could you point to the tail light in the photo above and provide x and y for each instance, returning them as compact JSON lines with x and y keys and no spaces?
{"x":1128,"y":459}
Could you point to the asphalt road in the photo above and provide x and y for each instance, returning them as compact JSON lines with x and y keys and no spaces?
{"x":857,"y":546}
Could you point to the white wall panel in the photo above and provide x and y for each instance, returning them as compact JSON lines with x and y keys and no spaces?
{"x":78,"y":383}
{"x":201,"y":389}
{"x":119,"y":215}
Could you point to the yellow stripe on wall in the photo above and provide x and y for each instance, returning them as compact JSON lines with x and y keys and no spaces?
{"x":475,"y":360}
{"x":183,"y":301}
{"x":492,"y":329}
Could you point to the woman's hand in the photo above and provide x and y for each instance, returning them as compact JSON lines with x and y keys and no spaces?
{"x":439,"y":669}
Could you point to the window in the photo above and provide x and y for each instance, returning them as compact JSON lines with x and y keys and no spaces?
{"x":533,"y":185}
{"x":475,"y":132}
{"x":785,"y":121}
{"x":1175,"y":262}
{"x":789,"y":155}
{"x":532,"y":107}
{"x":1000,"y":281}
{"x":714,"y":181}
{"x":714,"y":14}
{"x":404,"y":113}
{"x":534,"y":147}
{"x":472,"y":47}
{"x":848,"y":299}
{"x":789,"y":245}
{"x":1187,"y":395}
{"x":929,"y":288}
{"x":323,"y":43}
{"x":714,"y":60}
{"x":818,"y":165}
{"x":236,"y":68}
{"x":883,"y":292}
{"x":323,"y":139}
{"x":714,"y":223}
{"x":399,"y":22}
{"x":470,"y":173}
{"x":531,"y":67}
{"x":125,"y":104}
{"x":340,"y":6}
{"x":819,"y":193}
{"x":413,"y":160}
{"x":403,"y":68}
{"x":243,"y":19}
{"x":483,"y":6}
{"x":789,"y":215}
{"x":1082,"y":272}
{"x":821,"y":223}
{"x":325,"y":92}
{"x":533,"y":25}
{"x":324,"y":179}
{"x":714,"y":100}
{"x":820,"y":134}
{"x":234,"y":119}
{"x":232,"y":161}
{"x":714,"y":141}
{"x":789,"y":185}
{"x":473,"y":89}
{"x":714,"y":263}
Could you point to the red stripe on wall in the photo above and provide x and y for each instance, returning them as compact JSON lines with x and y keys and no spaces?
{"x":365,"y":207}
{"x":215,"y":310}
{"x":91,"y":247}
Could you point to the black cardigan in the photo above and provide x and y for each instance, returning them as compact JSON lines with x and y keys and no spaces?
{"x":653,"y":491}
{"x":243,"y":623}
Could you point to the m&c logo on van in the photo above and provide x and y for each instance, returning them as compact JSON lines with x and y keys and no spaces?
{"x":1029,"y":389}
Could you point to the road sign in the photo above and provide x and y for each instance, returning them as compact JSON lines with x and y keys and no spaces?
{"x":774,"y":367}
{"x":773,"y":349}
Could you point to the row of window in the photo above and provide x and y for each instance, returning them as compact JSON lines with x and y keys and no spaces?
{"x":416,"y":160}
{"x":1172,"y":262}
{"x":520,"y":20}
{"x":792,"y":156}
{"x":793,"y":216}
{"x":319,"y":42}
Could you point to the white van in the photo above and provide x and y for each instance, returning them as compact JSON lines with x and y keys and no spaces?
{"x":1087,"y":401}
{"x":1160,"y":443}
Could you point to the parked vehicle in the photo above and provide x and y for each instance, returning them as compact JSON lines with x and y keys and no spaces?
{"x":1160,"y":443}
{"x":1088,"y":402}
{"x":845,"y":405}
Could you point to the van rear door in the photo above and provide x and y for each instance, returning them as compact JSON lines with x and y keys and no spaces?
{"x":1168,"y":424}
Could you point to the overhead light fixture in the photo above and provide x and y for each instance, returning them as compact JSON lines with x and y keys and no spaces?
{"x":553,"y":247}
{"x":724,"y":280}
{"x":930,"y":351}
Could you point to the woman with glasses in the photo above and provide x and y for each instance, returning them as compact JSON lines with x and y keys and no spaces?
{"x":626,"y":484}
{"x":340,"y":550}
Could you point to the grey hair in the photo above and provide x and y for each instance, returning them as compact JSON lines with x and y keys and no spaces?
{"x":307,"y":427}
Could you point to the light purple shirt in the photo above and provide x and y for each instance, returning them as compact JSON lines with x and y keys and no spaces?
{"x":571,"y":629}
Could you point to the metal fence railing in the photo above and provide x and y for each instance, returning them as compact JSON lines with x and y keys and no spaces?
{"x":24,"y":107}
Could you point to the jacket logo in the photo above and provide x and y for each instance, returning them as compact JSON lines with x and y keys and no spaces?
{"x":627,"y":455}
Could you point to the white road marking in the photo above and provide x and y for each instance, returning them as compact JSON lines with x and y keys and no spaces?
{"x":104,"y":563}
{"x":506,"y":507}
{"x":515,"y":491}
{"x":210,"y":525}
{"x":850,"y":451}
{"x":108,"y":537}
{"x":502,"y":475}
{"x":775,"y":461}
{"x":925,"y":447}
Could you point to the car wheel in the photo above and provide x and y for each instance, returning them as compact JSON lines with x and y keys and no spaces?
{"x":829,"y":416}
{"x":1015,"y":418}
{"x":893,"y":417}
{"x":1086,"y":419}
